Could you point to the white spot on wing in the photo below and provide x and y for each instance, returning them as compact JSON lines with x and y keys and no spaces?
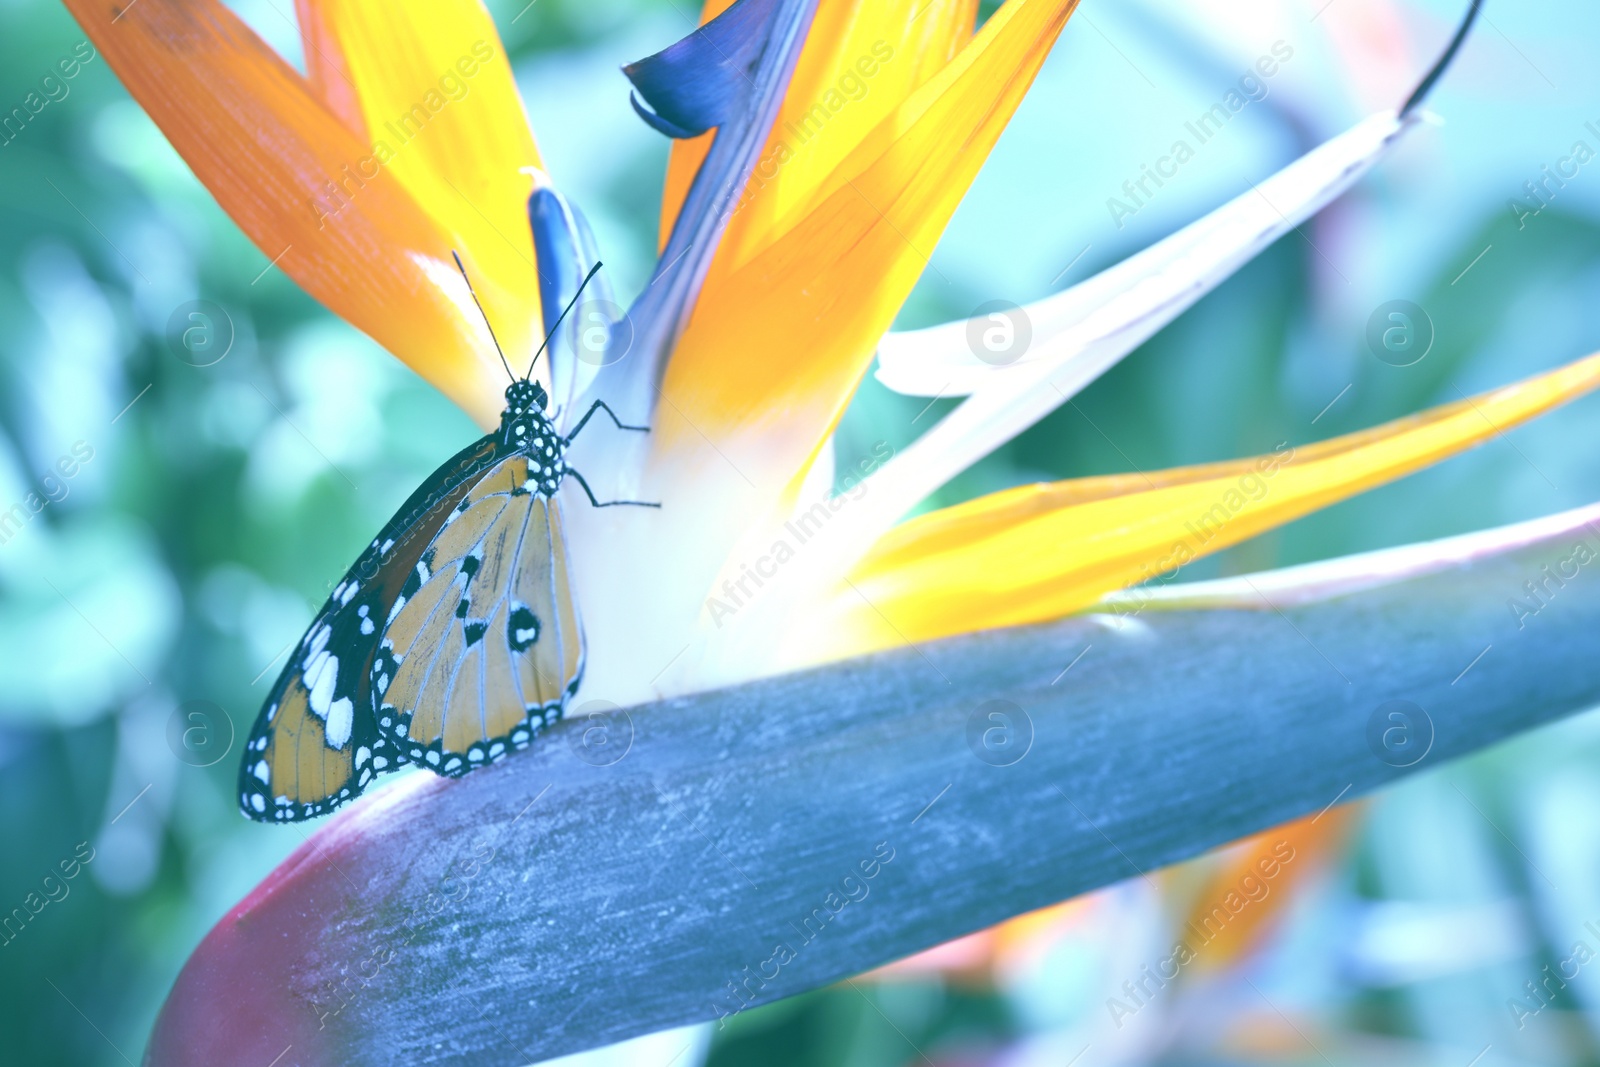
{"x":319,"y":639}
{"x":341,"y":717}
{"x":320,"y":679}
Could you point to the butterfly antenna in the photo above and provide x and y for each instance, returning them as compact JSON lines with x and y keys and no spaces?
{"x":511,"y":373}
{"x":581,"y":286}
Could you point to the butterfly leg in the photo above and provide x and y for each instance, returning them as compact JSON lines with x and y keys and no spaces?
{"x":609,"y":503}
{"x":601,"y":405}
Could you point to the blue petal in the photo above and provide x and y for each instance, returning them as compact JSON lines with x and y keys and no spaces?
{"x":699,"y":82}
{"x":659,"y":124}
{"x":730,"y":74}
{"x":564,"y":249}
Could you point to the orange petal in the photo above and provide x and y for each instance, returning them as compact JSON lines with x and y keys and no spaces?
{"x":1250,"y":884}
{"x":268,"y":149}
{"x":777,"y":346}
{"x":436,"y":94}
{"x":326,"y":69}
{"x":861,"y":60}
{"x":1038,"y":552}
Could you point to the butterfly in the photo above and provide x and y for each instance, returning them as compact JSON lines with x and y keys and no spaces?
{"x":452,"y":641}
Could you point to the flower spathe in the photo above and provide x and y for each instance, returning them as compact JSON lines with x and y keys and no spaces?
{"x":407,"y":140}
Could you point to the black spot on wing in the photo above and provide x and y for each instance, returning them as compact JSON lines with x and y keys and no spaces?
{"x":522,"y":628}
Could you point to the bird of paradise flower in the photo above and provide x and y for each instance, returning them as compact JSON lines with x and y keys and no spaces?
{"x":405,"y":139}
{"x":758,"y":323}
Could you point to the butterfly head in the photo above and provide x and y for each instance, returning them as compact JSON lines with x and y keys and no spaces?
{"x":524,"y":419}
{"x":525,"y":396}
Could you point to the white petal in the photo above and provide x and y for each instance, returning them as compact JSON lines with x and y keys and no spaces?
{"x":819,"y":479}
{"x":1323,"y":580}
{"x":1081,"y":333}
{"x":1097,"y":322}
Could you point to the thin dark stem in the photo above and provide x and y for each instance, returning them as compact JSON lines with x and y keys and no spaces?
{"x":1426,"y":85}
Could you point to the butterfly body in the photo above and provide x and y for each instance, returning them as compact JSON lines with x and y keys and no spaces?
{"x":489,"y":602}
{"x":453,"y":640}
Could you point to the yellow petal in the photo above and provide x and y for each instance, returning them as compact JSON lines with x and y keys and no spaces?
{"x":438,"y":103}
{"x":777,"y":345}
{"x":261,"y":142}
{"x":861,"y":63}
{"x":1042,"y":551}
{"x":861,"y":60}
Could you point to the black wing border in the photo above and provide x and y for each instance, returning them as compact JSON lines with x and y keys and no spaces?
{"x":417,"y":520}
